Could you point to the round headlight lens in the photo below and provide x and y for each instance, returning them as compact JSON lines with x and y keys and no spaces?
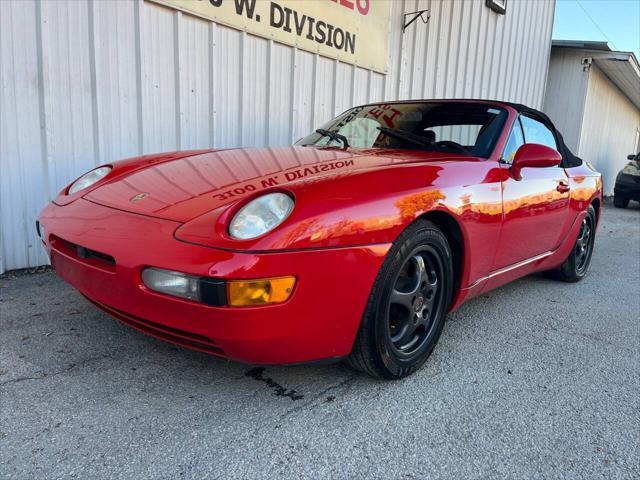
{"x":89,"y":179}
{"x":260,"y":216}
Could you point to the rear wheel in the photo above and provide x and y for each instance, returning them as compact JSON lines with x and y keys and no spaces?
{"x":407,"y":306}
{"x":620,"y":202}
{"x":577,"y":263}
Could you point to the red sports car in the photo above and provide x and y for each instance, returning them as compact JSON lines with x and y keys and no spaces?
{"x":352,"y":244}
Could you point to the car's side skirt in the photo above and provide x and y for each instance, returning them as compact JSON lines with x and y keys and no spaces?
{"x":543,"y":261}
{"x":512,"y":268}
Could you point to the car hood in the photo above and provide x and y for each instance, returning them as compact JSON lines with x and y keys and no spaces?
{"x":633,"y":169}
{"x":185,"y":188}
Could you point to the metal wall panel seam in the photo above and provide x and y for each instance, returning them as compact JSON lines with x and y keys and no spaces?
{"x":353,"y":85}
{"x":241,"y":102}
{"x":314,"y":88}
{"x":451,"y":58}
{"x":426,"y":51}
{"x":547,"y":51}
{"x":401,"y":53}
{"x":471,"y":77}
{"x":515,"y":46}
{"x":523,"y":53}
{"x":495,"y":59}
{"x":268,"y":94}
{"x":505,"y":42}
{"x":483,"y":89}
{"x":411,"y":58}
{"x":462,"y":52}
{"x":538,"y":81}
{"x":44,"y":140}
{"x":294,"y":54}
{"x":433,"y":49}
{"x":513,"y":41}
{"x":30,"y":237}
{"x":384,"y":87}
{"x":177,"y":75}
{"x":443,"y":42}
{"x":94,"y":87}
{"x":530,"y":52}
{"x":212,"y":84}
{"x":540,"y":58}
{"x":138,"y":19}
{"x":336,"y":66}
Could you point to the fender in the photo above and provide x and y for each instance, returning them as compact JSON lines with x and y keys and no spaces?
{"x":364,"y":208}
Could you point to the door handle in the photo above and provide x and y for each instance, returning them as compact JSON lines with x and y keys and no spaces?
{"x":563,"y":187}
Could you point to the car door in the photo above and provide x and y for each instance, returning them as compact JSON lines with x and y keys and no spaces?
{"x":536,"y":207}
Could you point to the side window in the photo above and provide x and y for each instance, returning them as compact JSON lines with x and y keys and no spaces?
{"x":537,"y":132}
{"x":516,"y":140}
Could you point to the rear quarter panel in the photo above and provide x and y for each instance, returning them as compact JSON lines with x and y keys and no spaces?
{"x":586,"y":186}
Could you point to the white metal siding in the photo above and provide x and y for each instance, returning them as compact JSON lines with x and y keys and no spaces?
{"x":598,"y":122}
{"x":88,"y":82}
{"x":566,"y":93}
{"x":609,"y":129}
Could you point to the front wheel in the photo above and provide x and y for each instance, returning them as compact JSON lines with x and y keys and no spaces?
{"x":407,"y":306}
{"x":577,"y":263}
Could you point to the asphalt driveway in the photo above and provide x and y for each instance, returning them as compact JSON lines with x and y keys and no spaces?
{"x":538,"y":379}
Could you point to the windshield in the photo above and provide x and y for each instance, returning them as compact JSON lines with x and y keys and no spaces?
{"x":463,"y":128}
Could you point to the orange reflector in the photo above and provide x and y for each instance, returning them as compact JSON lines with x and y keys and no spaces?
{"x":267,"y":291}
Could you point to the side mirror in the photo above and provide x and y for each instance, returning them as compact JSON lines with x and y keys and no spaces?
{"x":534,"y":155}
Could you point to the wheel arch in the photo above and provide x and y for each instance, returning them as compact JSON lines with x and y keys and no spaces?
{"x":450,"y":227}
{"x":596,"y":206}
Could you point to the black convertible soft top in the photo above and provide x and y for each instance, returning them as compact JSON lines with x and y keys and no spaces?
{"x":568,"y":158}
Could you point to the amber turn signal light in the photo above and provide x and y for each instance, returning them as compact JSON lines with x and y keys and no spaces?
{"x":266,"y":291}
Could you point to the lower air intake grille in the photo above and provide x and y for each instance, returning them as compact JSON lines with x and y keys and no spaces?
{"x":168,"y":334}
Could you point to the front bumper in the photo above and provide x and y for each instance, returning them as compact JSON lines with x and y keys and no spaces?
{"x":318,"y":322}
{"x":627,"y":186}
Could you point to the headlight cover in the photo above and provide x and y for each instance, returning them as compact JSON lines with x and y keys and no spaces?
{"x":172,"y":283}
{"x":260,"y":216}
{"x":210,"y":291}
{"x":88,"y":179}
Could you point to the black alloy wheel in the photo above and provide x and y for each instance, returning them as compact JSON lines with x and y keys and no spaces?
{"x":576,"y":265}
{"x":408,"y":304}
{"x":413,"y":302}
{"x":584,"y":245}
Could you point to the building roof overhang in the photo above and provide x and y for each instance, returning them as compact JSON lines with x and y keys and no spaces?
{"x":621,"y":68}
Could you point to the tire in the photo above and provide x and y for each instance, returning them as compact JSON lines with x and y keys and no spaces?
{"x":407,"y":306}
{"x":620,"y":202}
{"x":576,"y":265}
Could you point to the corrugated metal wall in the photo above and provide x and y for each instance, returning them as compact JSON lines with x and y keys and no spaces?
{"x":609,"y":129}
{"x":566,"y":92}
{"x":598,"y":122}
{"x":86,"y":82}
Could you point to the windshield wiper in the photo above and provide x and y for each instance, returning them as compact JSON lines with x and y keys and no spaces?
{"x":334,"y":136}
{"x":403,"y":135}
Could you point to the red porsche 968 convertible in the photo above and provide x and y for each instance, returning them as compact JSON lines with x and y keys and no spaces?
{"x":352,"y":244}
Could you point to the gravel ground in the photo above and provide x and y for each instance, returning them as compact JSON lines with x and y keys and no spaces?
{"x":535,"y":380}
